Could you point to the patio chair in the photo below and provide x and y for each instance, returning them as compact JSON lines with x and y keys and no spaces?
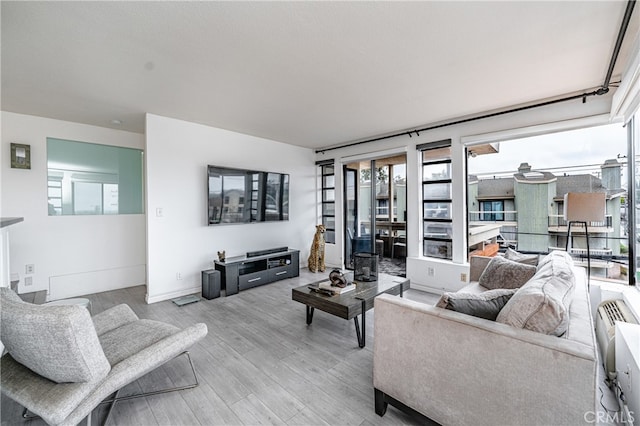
{"x":60,"y":363}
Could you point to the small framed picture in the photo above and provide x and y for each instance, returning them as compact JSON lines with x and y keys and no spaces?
{"x":20,"y":156}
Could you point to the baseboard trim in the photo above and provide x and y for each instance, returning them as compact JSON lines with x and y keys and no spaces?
{"x":172,"y":295}
{"x":89,"y":282}
{"x":427,"y":289}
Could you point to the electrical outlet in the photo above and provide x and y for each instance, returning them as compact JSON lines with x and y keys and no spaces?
{"x":28,"y":281}
{"x":431,"y":272}
{"x":463,"y":277}
{"x":30,"y":269}
{"x":178,"y":276}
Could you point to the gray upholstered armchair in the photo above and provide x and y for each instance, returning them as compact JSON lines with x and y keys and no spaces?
{"x":60,"y":363}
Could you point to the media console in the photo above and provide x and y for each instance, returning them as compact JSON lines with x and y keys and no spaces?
{"x":258,"y":268}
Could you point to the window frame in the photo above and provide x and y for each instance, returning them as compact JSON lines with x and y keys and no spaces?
{"x":72,"y":163}
{"x":633,"y":144}
{"x":490,"y":215}
{"x":328,"y":205}
{"x":440,"y":247}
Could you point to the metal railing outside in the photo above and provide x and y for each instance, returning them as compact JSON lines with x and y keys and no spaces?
{"x":558,"y":220}
{"x":493,"y":216}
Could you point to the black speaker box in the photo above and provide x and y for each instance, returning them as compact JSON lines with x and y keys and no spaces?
{"x":210,"y":284}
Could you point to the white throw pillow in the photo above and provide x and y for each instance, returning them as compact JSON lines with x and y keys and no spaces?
{"x":529,"y":259}
{"x":542,"y":304}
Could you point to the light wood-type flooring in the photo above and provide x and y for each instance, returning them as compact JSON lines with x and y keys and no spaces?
{"x":259,"y":364}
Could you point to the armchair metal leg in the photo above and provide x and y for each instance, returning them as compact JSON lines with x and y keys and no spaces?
{"x":116,"y":398}
{"x":27,"y":416}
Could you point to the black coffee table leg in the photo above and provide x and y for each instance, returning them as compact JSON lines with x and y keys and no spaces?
{"x":310,"y":314}
{"x":361,"y":333}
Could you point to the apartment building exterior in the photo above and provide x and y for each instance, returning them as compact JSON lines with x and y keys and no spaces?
{"x":529,"y":209}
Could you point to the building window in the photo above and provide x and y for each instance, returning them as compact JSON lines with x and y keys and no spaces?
{"x":492,"y":210}
{"x":382,"y":208}
{"x":436,"y":199}
{"x":329,"y":201}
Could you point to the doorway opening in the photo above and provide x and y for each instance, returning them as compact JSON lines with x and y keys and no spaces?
{"x":375,"y":206}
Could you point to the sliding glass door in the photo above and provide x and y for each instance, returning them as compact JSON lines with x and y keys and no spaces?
{"x":352,"y":238}
{"x":375,"y":206}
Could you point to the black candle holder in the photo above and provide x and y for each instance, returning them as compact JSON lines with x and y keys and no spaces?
{"x":365,"y":267}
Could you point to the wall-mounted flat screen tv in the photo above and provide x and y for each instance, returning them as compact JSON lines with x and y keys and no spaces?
{"x":246,"y":196}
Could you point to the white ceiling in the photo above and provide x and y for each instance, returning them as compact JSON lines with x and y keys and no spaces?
{"x":313,"y":74}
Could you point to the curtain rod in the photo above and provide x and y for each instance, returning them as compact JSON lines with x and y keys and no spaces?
{"x":582,"y":96}
{"x":604,"y":89}
{"x":616,"y":50}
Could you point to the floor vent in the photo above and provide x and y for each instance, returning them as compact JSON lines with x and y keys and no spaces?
{"x":609,"y":312}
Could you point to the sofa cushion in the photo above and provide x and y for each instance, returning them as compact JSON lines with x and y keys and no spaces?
{"x":131,"y":338}
{"x":580,"y":328}
{"x":556,"y":255}
{"x":473,"y":287}
{"x":505,"y":273}
{"x":485,"y":305}
{"x":542,"y":304}
{"x":529,"y":259}
{"x":56,"y":342}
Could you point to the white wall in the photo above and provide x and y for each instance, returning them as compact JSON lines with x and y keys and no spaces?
{"x":180,"y":242}
{"x":447,"y":274}
{"x":72,"y":255}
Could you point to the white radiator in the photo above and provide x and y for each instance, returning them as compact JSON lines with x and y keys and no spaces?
{"x":609,"y":312}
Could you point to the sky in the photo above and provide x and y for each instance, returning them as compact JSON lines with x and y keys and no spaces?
{"x":591,"y":146}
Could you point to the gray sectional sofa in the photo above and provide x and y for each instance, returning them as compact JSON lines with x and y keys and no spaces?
{"x":458,"y":369}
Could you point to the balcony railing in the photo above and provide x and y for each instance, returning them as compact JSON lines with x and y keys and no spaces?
{"x":558,"y":222}
{"x":600,"y":258}
{"x":496,"y":216}
{"x":602,"y":252}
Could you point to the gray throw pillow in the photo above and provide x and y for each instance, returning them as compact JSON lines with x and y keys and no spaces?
{"x":529,"y":259}
{"x":485,"y":305}
{"x":505,"y":273}
{"x":57,"y":342}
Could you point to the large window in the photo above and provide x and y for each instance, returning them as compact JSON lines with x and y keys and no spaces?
{"x":436,"y":199}
{"x":520,"y":186}
{"x":633,"y":134}
{"x":91,"y":179}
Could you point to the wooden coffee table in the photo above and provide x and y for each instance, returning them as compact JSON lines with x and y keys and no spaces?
{"x":351,"y":304}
